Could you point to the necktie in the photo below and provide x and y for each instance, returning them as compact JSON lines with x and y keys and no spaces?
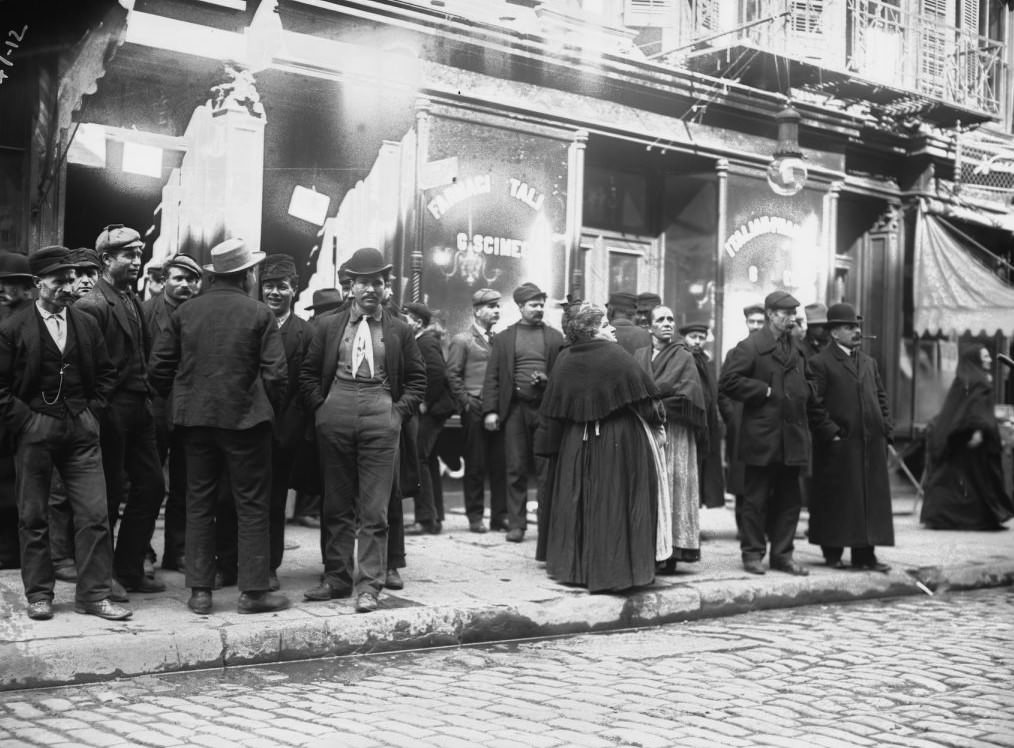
{"x":489,"y":337}
{"x":362,"y":349}
{"x":58,"y":330}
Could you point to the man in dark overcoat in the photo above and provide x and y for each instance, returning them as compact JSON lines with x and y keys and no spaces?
{"x":767,"y":374}
{"x":851,"y":500}
{"x":129,"y":451}
{"x":362,"y":378}
{"x":55,"y":381}
{"x":222,"y":359}
{"x":520,"y":362}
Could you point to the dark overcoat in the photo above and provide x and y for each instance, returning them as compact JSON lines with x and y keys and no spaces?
{"x":630,"y":336}
{"x":498,"y":387}
{"x":850,"y":504}
{"x":774,"y":428}
{"x":439,"y":400}
{"x":107,"y":307}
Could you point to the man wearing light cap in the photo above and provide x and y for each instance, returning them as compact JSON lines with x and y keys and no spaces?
{"x":816,"y":336}
{"x":55,"y":381}
{"x":467,"y":360}
{"x":520,"y":361}
{"x":128,"y":428}
{"x":767,"y":374}
{"x":222,"y":358}
{"x":621,"y":310}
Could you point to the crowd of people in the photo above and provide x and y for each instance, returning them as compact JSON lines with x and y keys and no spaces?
{"x":213,"y":397}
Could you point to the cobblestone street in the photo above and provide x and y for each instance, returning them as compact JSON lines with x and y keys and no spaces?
{"x":916,"y":672}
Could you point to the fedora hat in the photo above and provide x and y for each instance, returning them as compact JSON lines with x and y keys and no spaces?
{"x":843,"y":314}
{"x":324,"y":299}
{"x":232,"y":256}
{"x":366,"y":261}
{"x":816,"y":314}
{"x":15,"y":265}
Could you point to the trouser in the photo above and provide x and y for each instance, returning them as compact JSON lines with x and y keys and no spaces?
{"x":61,"y":524}
{"x":307,"y":504}
{"x":172,"y":454}
{"x":860,"y":554}
{"x":483,"y":452}
{"x":429,"y":504}
{"x":519,"y":452}
{"x":70,"y":444}
{"x":281,"y":468}
{"x":770,"y":511}
{"x":245,"y":458}
{"x":128,"y":450}
{"x":357,"y":435}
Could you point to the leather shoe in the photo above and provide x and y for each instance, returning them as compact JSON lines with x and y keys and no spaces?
{"x":497,"y":526}
{"x":174,"y":564}
{"x":65,"y":572}
{"x":200,"y":601}
{"x":40,"y":610}
{"x":836,"y":564}
{"x":429,"y":527}
{"x":516,"y":535}
{"x":104,"y":609}
{"x":145,"y":585}
{"x":791,"y":567}
{"x":116,"y":592}
{"x":873,"y":565}
{"x":325,"y":591}
{"x":477,"y":527}
{"x":263,"y":601}
{"x":393,"y":580}
{"x":273,"y":584}
{"x":366,"y":602}
{"x":753,"y":567}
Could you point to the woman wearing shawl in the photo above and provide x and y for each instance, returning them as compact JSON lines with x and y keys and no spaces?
{"x":604,"y":483}
{"x":964,"y":489}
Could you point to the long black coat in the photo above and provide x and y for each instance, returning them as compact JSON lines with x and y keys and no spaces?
{"x":851,"y":500}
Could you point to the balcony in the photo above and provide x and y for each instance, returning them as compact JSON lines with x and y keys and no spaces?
{"x":861,"y":51}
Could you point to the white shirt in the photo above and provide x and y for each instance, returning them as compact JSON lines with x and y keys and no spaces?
{"x":56,"y":324}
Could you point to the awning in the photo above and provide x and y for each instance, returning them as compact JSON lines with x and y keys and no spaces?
{"x":953,"y":290}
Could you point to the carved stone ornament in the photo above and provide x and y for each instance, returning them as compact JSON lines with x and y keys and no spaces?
{"x":238,"y":92}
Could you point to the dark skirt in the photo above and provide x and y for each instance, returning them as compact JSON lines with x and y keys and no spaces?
{"x":965,"y":491}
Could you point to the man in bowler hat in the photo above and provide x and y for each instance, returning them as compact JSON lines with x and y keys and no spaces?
{"x":55,"y":381}
{"x":221,"y":357}
{"x":16,"y":283}
{"x":519,"y":366}
{"x":767,"y":374}
{"x":362,"y":377}
{"x":467,"y":360}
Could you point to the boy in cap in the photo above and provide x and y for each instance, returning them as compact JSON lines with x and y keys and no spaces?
{"x":767,"y":374}
{"x":709,"y":442}
{"x":55,"y":381}
{"x":467,"y":360}
{"x":520,"y":362}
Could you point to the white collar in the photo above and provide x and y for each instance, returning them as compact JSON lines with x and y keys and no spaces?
{"x":62,"y":314}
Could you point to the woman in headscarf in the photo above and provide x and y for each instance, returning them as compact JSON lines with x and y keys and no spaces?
{"x":964,"y":489}
{"x":597,"y":411}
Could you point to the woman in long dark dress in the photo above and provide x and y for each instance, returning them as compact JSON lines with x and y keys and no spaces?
{"x":604,"y":482}
{"x":964,"y":489}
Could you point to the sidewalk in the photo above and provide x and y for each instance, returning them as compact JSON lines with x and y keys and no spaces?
{"x":461,"y":588}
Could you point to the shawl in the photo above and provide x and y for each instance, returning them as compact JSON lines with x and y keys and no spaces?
{"x":967,"y":408}
{"x":675,"y":372}
{"x":593,"y":378}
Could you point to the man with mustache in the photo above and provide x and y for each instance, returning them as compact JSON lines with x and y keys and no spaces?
{"x":362,"y":377}
{"x":851,"y":501}
{"x":55,"y":381}
{"x":182,"y":283}
{"x":519,"y":364}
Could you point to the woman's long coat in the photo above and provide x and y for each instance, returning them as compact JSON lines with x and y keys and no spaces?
{"x":851,"y":500}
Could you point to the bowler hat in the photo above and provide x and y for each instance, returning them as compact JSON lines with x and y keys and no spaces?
{"x":485,"y":296}
{"x":278,"y":267}
{"x":50,"y":260}
{"x":232,"y":256}
{"x":15,"y":265}
{"x":185,"y":262}
{"x":324,"y":299}
{"x":115,"y":237}
{"x":419,"y":310}
{"x":780,"y":300}
{"x":84,"y":257}
{"x":623,"y":300}
{"x":842,"y":314}
{"x":816,"y":314}
{"x":526,"y":292}
{"x":646,"y":301}
{"x":366,"y":261}
{"x":753,"y":309}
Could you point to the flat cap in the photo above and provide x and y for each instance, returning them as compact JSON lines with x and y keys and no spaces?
{"x":623,"y":300}
{"x":115,"y":237}
{"x":695,"y":325}
{"x":85,"y":257}
{"x":526,"y":292}
{"x":277,"y":267}
{"x":485,"y":296}
{"x":50,"y":260}
{"x":185,"y":262}
{"x":15,"y":265}
{"x":647,"y":301}
{"x":753,"y":309}
{"x":419,"y":310}
{"x":780,"y":300}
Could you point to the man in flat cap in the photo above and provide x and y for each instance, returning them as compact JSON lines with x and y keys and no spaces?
{"x":520,"y":362}
{"x":128,"y":428}
{"x":644,"y":303}
{"x":362,"y":378}
{"x":55,"y":381}
{"x":621,"y":310}
{"x":709,"y":439}
{"x":851,"y":501}
{"x":89,"y":268}
{"x":767,"y":374}
{"x":17,"y":286}
{"x":467,"y":360}
{"x":182,"y":283}
{"x":222,"y":359}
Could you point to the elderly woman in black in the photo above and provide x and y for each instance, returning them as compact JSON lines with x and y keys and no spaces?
{"x":964,"y":488}
{"x":604,"y":483}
